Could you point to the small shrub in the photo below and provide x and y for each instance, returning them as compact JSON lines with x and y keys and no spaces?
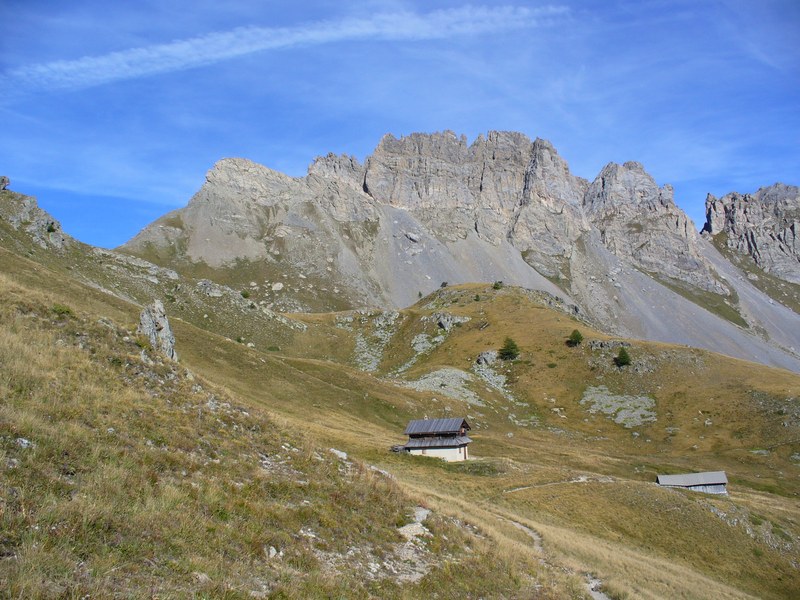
{"x":273,"y":349}
{"x":62,"y":310}
{"x":51,"y":227}
{"x":245,"y":294}
{"x":498,"y":285}
{"x":419,"y":294}
{"x":444,"y":284}
{"x":477,"y":298}
{"x":575,"y":338}
{"x":509,"y":351}
{"x":240,"y":339}
{"x":143,"y":342}
{"x":551,"y":365}
{"x":622,"y":359}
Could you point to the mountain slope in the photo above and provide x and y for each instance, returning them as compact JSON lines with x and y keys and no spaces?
{"x":563,"y":483}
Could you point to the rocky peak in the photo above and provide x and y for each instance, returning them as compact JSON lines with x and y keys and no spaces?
{"x":618,"y":188}
{"x":242,"y":179}
{"x":549,"y":219}
{"x":764,"y":226}
{"x":548,"y":177}
{"x":338,"y":167}
{"x":640,"y":222}
{"x":419,"y":171}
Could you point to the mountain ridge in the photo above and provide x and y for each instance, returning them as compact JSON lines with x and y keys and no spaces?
{"x":428,"y":209}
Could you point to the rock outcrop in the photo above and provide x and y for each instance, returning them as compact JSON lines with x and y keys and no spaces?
{"x":4,"y":182}
{"x":154,"y":325}
{"x":639,"y":221}
{"x":23,"y":214}
{"x":764,"y":226}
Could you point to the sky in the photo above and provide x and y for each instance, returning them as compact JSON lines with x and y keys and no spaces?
{"x":111,"y":113}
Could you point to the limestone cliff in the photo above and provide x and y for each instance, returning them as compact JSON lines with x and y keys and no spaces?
{"x":764,"y":226}
{"x":640,"y":222}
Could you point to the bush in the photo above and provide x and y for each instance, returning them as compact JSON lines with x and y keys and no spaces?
{"x":575,"y":338}
{"x":622,"y":359}
{"x":143,"y":342}
{"x":509,"y":351}
{"x":62,"y":310}
{"x":245,"y":294}
{"x":444,"y":284}
{"x":497,"y":285}
{"x":477,"y":298}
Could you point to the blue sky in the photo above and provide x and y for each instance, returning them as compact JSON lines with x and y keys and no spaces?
{"x":113,"y":112}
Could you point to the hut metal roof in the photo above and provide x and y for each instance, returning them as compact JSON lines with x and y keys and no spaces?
{"x":437,"y":426}
{"x":439,"y":441}
{"x":692,"y":479}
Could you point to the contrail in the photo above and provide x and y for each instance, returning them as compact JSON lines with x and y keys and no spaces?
{"x":216,"y":47}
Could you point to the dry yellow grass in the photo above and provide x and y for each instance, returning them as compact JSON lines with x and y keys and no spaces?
{"x":122,"y":476}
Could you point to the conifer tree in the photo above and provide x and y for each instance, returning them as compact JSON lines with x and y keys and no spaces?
{"x":623,"y":358}
{"x":510,"y":350}
{"x":575,"y":338}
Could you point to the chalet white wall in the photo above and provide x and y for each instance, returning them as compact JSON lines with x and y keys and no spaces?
{"x":448,"y":454}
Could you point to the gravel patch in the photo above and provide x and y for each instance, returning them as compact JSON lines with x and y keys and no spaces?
{"x":449,"y":382}
{"x":628,"y":411}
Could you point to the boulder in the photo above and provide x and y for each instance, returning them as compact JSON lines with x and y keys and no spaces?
{"x":154,"y":324}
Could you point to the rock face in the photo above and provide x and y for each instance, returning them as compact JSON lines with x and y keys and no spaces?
{"x":425,"y":209}
{"x":154,"y":324}
{"x":23,"y":213}
{"x":764,"y":226}
{"x":493,"y":206}
{"x":639,"y":221}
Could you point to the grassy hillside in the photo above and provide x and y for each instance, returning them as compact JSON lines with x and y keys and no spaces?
{"x":583,"y":481}
{"x":125,"y":475}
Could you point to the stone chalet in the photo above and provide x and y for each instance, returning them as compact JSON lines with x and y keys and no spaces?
{"x":442,"y":438}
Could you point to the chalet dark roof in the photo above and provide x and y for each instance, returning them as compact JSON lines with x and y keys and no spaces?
{"x":437,"y":427}
{"x":693,"y":479}
{"x":438,"y":441}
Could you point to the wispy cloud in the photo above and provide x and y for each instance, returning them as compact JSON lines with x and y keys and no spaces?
{"x":220,"y":46}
